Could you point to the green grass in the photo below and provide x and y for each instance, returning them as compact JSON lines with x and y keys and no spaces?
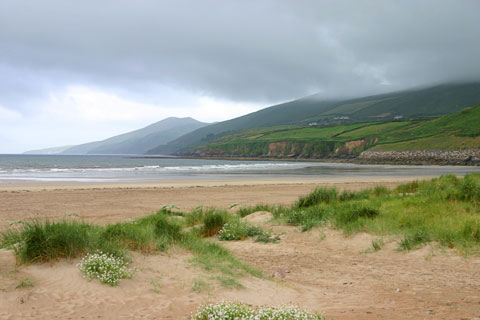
{"x":213,"y":223}
{"x":245,"y":211}
{"x":445,"y":210}
{"x":434,"y":101}
{"x":319,"y":195}
{"x":43,"y":241}
{"x":25,"y":284}
{"x":374,"y":129}
{"x":450,"y":132}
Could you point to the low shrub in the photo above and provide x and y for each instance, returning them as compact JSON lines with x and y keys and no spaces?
{"x":232,"y":311}
{"x":106,"y":268}
{"x":238,"y":230}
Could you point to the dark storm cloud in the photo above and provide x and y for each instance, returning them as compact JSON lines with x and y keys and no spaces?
{"x":237,"y":50}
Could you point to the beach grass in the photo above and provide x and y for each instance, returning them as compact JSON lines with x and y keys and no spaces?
{"x":42,"y":241}
{"x":445,"y":210}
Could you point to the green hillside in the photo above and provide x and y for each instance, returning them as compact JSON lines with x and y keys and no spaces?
{"x":460,"y":130}
{"x":433,"y":101}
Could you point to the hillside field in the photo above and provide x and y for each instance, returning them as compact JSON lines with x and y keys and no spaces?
{"x":460,"y":130}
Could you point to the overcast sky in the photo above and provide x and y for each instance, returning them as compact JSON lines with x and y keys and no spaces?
{"x":76,"y":71}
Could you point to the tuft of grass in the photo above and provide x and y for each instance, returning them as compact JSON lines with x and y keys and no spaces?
{"x":268,"y":237}
{"x":229,"y":282}
{"x":348,"y":195}
{"x":214,"y":257}
{"x":37,"y":241}
{"x":200,"y":285}
{"x":25,"y":283}
{"x":380,"y":190}
{"x":131,"y":236}
{"x":213,"y":223}
{"x":351,"y":215}
{"x":414,"y":240}
{"x":245,"y":211}
{"x":410,"y":187}
{"x":156,"y":285}
{"x":319,"y":195}
{"x":377,"y":245}
{"x":309,"y":217}
{"x":470,"y":189}
{"x":198,"y":215}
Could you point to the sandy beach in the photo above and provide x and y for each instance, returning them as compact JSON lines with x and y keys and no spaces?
{"x":320,"y":270}
{"x":112,"y":202}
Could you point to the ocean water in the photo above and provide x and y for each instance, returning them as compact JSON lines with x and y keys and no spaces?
{"x":93,"y":168}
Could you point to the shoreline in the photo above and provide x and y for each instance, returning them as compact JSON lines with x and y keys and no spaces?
{"x":464,"y":157}
{"x":28,"y":185}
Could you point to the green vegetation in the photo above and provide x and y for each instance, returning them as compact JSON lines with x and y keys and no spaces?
{"x":213,"y":223}
{"x":245,"y":211}
{"x":25,"y":283}
{"x":451,"y":132}
{"x":238,"y":230}
{"x":106,"y":268}
{"x":445,"y":210}
{"x":232,"y":311}
{"x":433,"y":101}
{"x":45,"y":241}
{"x":319,"y":195}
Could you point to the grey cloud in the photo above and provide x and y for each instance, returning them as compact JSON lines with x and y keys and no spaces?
{"x":260,"y":51}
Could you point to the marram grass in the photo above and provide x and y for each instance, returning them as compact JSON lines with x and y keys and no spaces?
{"x":445,"y":210}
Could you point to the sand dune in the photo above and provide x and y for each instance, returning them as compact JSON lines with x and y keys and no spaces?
{"x":320,"y":270}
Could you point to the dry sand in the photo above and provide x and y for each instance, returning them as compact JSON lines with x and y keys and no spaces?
{"x":320,"y":269}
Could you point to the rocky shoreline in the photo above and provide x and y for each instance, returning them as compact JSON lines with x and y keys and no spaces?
{"x":454,"y":157}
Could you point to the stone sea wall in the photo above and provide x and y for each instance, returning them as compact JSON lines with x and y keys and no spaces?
{"x":455,"y":157}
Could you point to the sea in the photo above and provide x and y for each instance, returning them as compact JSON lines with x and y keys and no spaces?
{"x":128,"y":168}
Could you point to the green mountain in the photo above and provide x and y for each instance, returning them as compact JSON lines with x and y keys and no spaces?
{"x":139,"y":141}
{"x":432,"y":101}
{"x":460,"y":130}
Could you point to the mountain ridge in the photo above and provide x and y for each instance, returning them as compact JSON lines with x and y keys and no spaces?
{"x":136,"y":141}
{"x":426,"y":101}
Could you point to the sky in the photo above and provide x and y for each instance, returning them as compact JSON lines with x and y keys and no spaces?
{"x":78,"y":71}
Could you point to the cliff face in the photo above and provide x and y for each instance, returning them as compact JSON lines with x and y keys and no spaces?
{"x":285,"y":149}
{"x":354,"y":150}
